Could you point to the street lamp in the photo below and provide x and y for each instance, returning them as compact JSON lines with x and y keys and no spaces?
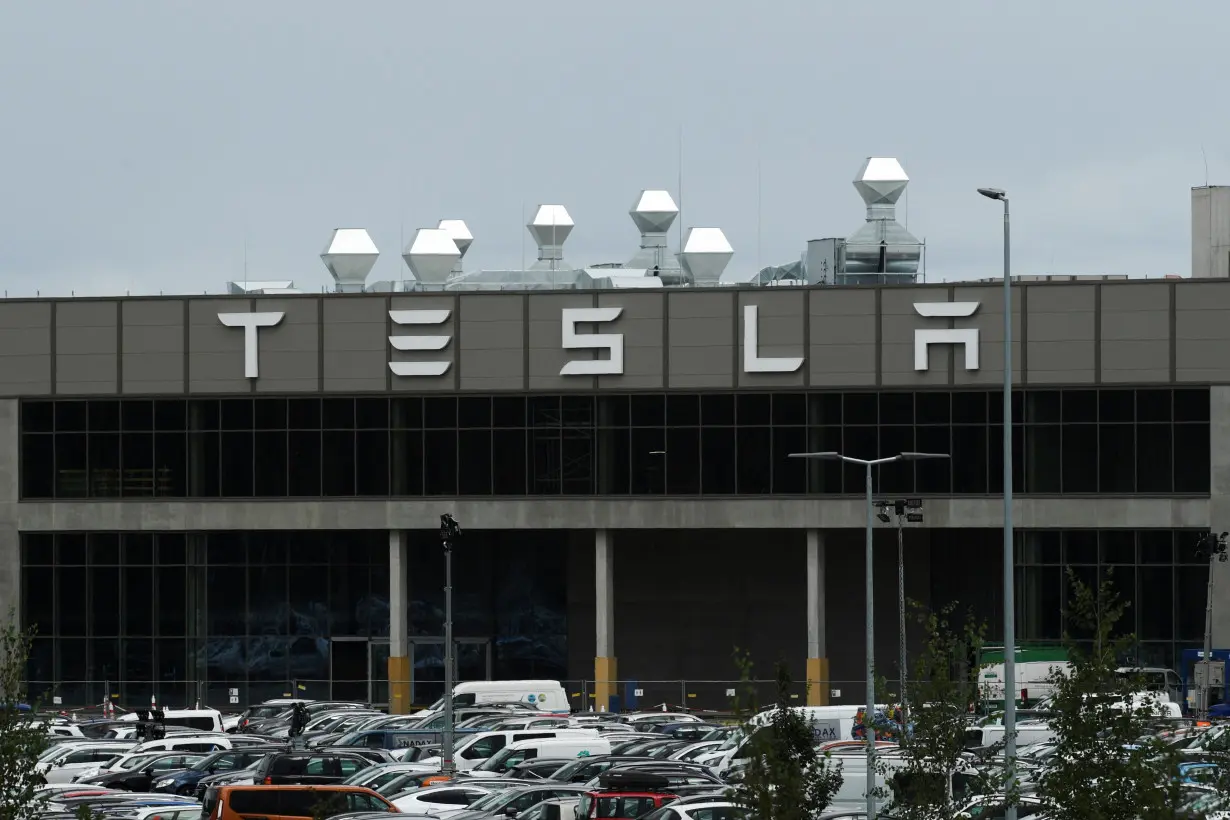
{"x":869,"y":719}
{"x":449,"y":532}
{"x":1009,"y":563}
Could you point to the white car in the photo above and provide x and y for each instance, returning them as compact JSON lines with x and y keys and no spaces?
{"x":70,"y":759}
{"x":438,"y":801}
{"x":117,"y":763}
{"x":711,"y":810}
{"x":376,"y":776}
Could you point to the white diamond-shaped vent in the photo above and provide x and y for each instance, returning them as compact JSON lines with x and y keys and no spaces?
{"x":431,"y":255}
{"x":881,"y":181}
{"x":653,"y":212}
{"x":459,"y":231}
{"x":706,"y":253}
{"x":350,"y":256}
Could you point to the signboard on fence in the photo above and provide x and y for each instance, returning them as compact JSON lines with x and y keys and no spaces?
{"x":826,"y":730}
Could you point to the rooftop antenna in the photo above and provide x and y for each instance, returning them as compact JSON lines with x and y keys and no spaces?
{"x":759,"y":199}
{"x":680,"y":163}
{"x":1206,"y":165}
{"x":523,"y":235}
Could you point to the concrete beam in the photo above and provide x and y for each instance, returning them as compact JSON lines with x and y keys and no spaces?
{"x":10,"y":539}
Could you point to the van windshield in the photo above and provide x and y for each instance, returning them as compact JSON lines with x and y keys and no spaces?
{"x":505,"y":759}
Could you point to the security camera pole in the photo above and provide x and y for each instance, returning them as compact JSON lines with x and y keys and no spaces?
{"x":1215,"y":546}
{"x":908,"y":509}
{"x":869,"y":715}
{"x":449,"y":531}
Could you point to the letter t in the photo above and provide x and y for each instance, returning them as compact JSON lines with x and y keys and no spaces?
{"x":250,"y":322}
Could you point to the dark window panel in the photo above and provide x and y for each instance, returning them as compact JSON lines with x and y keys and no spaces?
{"x":226,"y":548}
{"x":1191,"y":587}
{"x":789,"y":474}
{"x":1080,"y":406}
{"x":577,"y":411}
{"x":440,"y":413}
{"x":1154,"y":405}
{"x":753,"y":460}
{"x":1188,"y":548}
{"x":969,"y":407}
{"x":1116,"y":406}
{"x":237,"y":464}
{"x":372,"y":462}
{"x":172,"y":548}
{"x":71,"y":465}
{"x":71,"y":416}
{"x":228,"y":601}
{"x":271,"y":548}
{"x":303,"y":414}
{"x":38,"y":465}
{"x":1156,"y":603}
{"x":371,"y":414}
{"x":474,"y":412}
{"x":717,"y":445}
{"x":268,"y":602}
{"x":1080,"y":458}
{"x":824,"y":475}
{"x":1122,"y":581}
{"x":204,"y":465}
{"x":137,"y":414}
{"x":897,"y":477}
{"x":138,"y":548}
{"x":1043,"y":458}
{"x":38,"y":417}
{"x":1154,"y":458}
{"x":171,"y":465}
{"x":717,"y":409}
{"x":474,"y":462}
{"x":896,"y":408}
{"x":509,"y":411}
{"x":440,"y":462}
{"x":137,"y":457}
{"x":859,"y":408}
{"x":171,"y":415}
{"x":37,"y":548}
{"x":171,"y":602}
{"x":270,"y":414}
{"x":139,"y":601}
{"x":1042,"y":407}
{"x":1039,"y":547}
{"x":932,"y":407}
{"x":612,"y":467}
{"x":1117,"y":546}
{"x":406,"y":462}
{"x":646,"y":410}
{"x":237,"y":414}
{"x":38,"y":599}
{"x":104,"y":465}
{"x":303,"y":463}
{"x":648,"y":461}
{"x":683,"y":410}
{"x":682,"y":459}
{"x":995,"y":407}
{"x":1191,"y":458}
{"x":1039,"y":603}
{"x":71,"y":600}
{"x":1088,"y":576}
{"x":71,"y":659}
{"x":172,"y":660}
{"x":857,"y":442}
{"x":41,"y":665}
{"x":70,"y":548}
{"x":1080,"y":547}
{"x":1156,"y":546}
{"x":753,"y":409}
{"x":546,"y":452}
{"x":578,"y":461}
{"x":1189,"y":405}
{"x":337,"y":463}
{"x":970,"y":459}
{"x":271,"y":464}
{"x":103,"y":548}
{"x":337,"y":414}
{"x":508,"y":465}
{"x":204,"y":414}
{"x":789,"y":409}
{"x":104,"y":415}
{"x":1116,"y":458}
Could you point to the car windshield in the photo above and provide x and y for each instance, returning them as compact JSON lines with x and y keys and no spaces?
{"x":498,"y":762}
{"x":491,"y":801}
{"x":731,"y":741}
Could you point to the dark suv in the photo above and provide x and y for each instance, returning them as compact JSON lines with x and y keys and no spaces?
{"x":309,"y":768}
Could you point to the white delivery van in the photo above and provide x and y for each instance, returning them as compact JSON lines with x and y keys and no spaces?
{"x":542,"y":695}
{"x":204,"y":720}
{"x":559,"y":748}
{"x":828,"y":723}
{"x":185,"y":743}
{"x":476,"y":748}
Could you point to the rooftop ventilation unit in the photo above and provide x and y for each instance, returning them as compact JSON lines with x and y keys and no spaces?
{"x":349,"y":256}
{"x":706,"y":253}
{"x":550,"y":228}
{"x":460,"y":232}
{"x":882,"y":247}
{"x":250,"y":288}
{"x":653,"y":214}
{"x":431,"y":255}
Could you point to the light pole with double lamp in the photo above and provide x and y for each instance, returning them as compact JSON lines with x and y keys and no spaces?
{"x":869,"y":715}
{"x":1009,"y":562}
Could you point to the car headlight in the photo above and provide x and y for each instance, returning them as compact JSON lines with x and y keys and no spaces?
{"x":164,"y":782}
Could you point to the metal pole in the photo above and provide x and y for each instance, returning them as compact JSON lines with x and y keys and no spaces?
{"x":446,"y":747}
{"x":1009,"y":562}
{"x":901,"y":619}
{"x":869,"y":718}
{"x":1208,"y":633}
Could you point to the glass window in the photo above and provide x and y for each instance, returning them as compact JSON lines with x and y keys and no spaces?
{"x":969,"y":407}
{"x":1116,"y":458}
{"x":1189,"y":405}
{"x":969,"y":458}
{"x":1154,"y":458}
{"x":104,"y":416}
{"x":1080,"y":458}
{"x":932,"y":407}
{"x":1080,"y":406}
{"x":71,"y":417}
{"x":896,"y":408}
{"x":474,"y":462}
{"x":753,"y":409}
{"x":717,"y":409}
{"x":1116,"y":406}
{"x":237,"y":414}
{"x":753,"y":460}
{"x":1191,"y":458}
{"x":683,"y":471}
{"x":37,"y":416}
{"x":717,"y":467}
{"x":1042,"y":407}
{"x":440,"y":413}
{"x":337,"y":414}
{"x":38,"y":465}
{"x":338,"y":461}
{"x":683,"y":410}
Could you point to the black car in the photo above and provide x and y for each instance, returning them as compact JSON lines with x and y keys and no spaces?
{"x":317,"y":767}
{"x":141,"y":778}
{"x":228,"y":760}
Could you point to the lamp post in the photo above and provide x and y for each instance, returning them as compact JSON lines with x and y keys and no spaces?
{"x":869,"y":719}
{"x":1009,"y":562}
{"x":449,"y":532}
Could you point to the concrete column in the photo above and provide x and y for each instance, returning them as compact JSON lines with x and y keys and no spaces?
{"x":10,"y":539}
{"x":606,"y":675}
{"x":1219,"y":505}
{"x":400,"y":680}
{"x":817,"y":659}
{"x":197,"y":600}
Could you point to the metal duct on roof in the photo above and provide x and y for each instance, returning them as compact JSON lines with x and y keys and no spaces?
{"x":550,"y":228}
{"x":431,"y":255}
{"x":460,"y":232}
{"x":653,"y":213}
{"x":706,"y":253}
{"x":882,"y":245}
{"x":350,"y":256}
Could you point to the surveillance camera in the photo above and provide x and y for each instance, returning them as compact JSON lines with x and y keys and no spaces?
{"x":883,"y":516}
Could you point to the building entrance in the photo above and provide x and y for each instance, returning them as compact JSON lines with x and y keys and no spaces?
{"x":359,"y":670}
{"x":472,"y":662}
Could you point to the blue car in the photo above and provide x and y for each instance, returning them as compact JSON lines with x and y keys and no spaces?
{"x":183,"y":782}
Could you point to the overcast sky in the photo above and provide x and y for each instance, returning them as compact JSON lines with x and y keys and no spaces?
{"x":143,"y":141}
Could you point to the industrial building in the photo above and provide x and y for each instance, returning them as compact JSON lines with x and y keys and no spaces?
{"x":232,"y":497}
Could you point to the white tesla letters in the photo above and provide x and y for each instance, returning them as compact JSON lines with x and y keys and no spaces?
{"x":967,"y":337}
{"x":752,"y":363}
{"x":419,"y":317}
{"x":613,"y":365}
{"x":250,"y":322}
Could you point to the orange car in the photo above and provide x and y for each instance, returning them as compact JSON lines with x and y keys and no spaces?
{"x":288,"y":802}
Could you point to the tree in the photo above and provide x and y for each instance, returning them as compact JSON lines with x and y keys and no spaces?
{"x":786,"y":777}
{"x":1107,"y":763}
{"x":21,"y":739}
{"x":941,"y":693}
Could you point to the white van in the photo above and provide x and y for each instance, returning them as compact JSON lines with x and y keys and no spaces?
{"x":478,"y":747}
{"x":828,"y":723}
{"x":559,"y":748}
{"x":71,"y":759}
{"x":203,"y":720}
{"x":185,"y":743}
{"x":542,"y":695}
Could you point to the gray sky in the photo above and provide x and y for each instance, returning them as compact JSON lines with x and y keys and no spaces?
{"x":143,"y":140}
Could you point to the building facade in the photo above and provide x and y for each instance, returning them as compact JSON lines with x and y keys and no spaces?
{"x":230,"y":498}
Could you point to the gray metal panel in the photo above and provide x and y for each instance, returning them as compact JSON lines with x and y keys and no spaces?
{"x":86,"y":347}
{"x":989,"y":319}
{"x":492,"y":342}
{"x":356,"y":344}
{"x":843,"y":338}
{"x":289,"y":351}
{"x":641,"y":323}
{"x":544,"y":337}
{"x":445,"y":382}
{"x":1061,"y":334}
{"x":25,"y":348}
{"x":900,"y":320}
{"x":780,"y":319}
{"x":215,"y":351}
{"x":153,"y":346}
{"x":701,"y":340}
{"x":1202,"y":334}
{"x":1135,"y":337}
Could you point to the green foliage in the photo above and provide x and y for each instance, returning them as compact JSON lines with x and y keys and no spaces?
{"x":1107,"y":763}
{"x":330,"y":806}
{"x":21,"y":739}
{"x":940,"y":695}
{"x":786,"y":777}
